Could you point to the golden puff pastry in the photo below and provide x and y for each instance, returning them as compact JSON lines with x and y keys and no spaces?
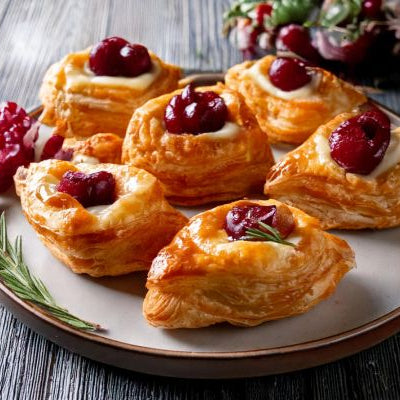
{"x":99,"y":148}
{"x":81,"y":104}
{"x":291,"y":117}
{"x":198,"y":169}
{"x":308,"y":178}
{"x":104,"y":240}
{"x":203,"y":278}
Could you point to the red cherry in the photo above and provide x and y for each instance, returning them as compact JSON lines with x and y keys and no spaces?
{"x":371,"y":8}
{"x":296,"y":39}
{"x":90,"y":190}
{"x":195,"y":112}
{"x":359,"y":144}
{"x":115,"y":56}
{"x":262,"y":10}
{"x":135,"y":60}
{"x":241,"y":218}
{"x":288,"y":74}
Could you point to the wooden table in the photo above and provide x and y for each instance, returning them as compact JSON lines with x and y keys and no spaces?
{"x":34,"y":34}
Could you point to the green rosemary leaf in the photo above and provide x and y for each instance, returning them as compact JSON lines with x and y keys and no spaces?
{"x":15,"y":274}
{"x":273,"y":236}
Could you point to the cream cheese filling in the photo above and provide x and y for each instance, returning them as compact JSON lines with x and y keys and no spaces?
{"x":76,"y":77}
{"x":82,"y":158}
{"x":390,"y":159}
{"x":263,"y":81}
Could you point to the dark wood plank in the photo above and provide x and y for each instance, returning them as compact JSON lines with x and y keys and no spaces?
{"x":33,"y":34}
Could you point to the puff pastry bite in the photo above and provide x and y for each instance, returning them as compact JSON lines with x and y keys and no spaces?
{"x":131,"y":222}
{"x":82,"y":97}
{"x":99,"y":148}
{"x":289,"y":99}
{"x":347,"y":173}
{"x":203,"y":145}
{"x":211,"y":273}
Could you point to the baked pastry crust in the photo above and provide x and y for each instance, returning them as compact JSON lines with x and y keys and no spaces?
{"x":99,"y":148}
{"x":308,"y":178}
{"x":293,"y":120}
{"x":198,"y":169}
{"x":123,"y":238}
{"x":201,"y":278}
{"x":86,"y":107}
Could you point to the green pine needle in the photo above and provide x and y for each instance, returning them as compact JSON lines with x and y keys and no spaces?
{"x":272,"y":236}
{"x":15,"y":274}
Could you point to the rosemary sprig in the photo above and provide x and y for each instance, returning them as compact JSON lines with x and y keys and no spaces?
{"x":273,"y":236}
{"x":15,"y":274}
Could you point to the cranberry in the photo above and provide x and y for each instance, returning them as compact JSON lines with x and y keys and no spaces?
{"x":195,"y":112}
{"x":371,"y":8}
{"x":241,"y":218}
{"x":262,"y":10}
{"x":17,"y":139}
{"x":90,"y":190}
{"x":359,"y":144}
{"x":52,"y":146}
{"x":297,"y":39}
{"x":288,"y":74}
{"x":115,"y":56}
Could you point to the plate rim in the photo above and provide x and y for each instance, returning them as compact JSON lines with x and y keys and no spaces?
{"x":377,"y":325}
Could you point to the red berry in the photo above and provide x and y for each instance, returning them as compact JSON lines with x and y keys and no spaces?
{"x":135,"y":60}
{"x":262,"y":10}
{"x":359,"y":144}
{"x":17,"y":138}
{"x":296,"y":39}
{"x":195,"y":112}
{"x":288,"y":74}
{"x":115,"y":56}
{"x":371,"y":8}
{"x":241,"y":218}
{"x":52,"y":147}
{"x":90,"y":190}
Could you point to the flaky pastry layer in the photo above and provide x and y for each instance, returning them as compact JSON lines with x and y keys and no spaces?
{"x":315,"y":183}
{"x":198,"y":169}
{"x":202,"y":278}
{"x":123,"y":237}
{"x":293,"y":121}
{"x":88,"y":108}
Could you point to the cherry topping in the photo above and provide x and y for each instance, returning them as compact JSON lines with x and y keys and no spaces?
{"x":241,"y":218}
{"x":115,"y":56}
{"x":359,"y":144}
{"x":90,"y":190}
{"x":288,"y":74}
{"x":17,"y":139}
{"x":371,"y":8}
{"x":262,"y":10}
{"x":297,"y":39}
{"x":195,"y":112}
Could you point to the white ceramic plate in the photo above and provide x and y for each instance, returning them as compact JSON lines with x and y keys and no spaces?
{"x":364,"y":310}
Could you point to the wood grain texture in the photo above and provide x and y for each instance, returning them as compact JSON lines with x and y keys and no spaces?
{"x":34,"y":34}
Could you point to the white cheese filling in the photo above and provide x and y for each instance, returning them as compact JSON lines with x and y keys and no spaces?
{"x":263,"y":81}
{"x":76,"y":77}
{"x":390,"y":159}
{"x":82,"y":158}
